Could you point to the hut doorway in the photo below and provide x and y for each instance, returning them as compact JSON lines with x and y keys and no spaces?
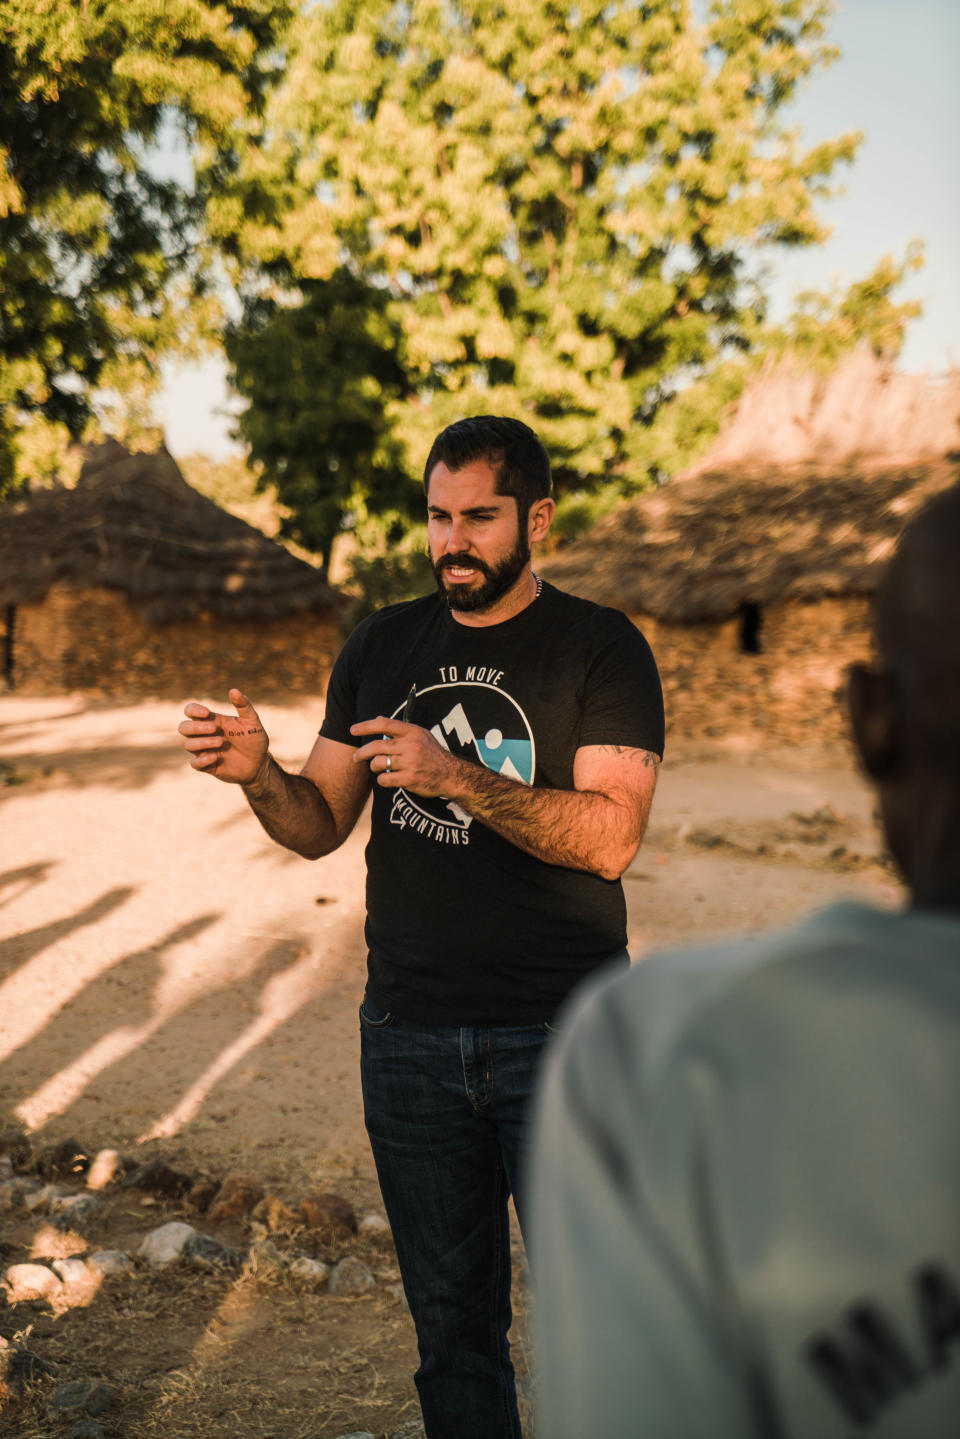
{"x":751,"y":623}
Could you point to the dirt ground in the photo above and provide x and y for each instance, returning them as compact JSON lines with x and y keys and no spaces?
{"x":174,"y":985}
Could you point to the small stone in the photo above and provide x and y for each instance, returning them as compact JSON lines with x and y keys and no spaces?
{"x":413,"y":1429}
{"x":351,"y":1276}
{"x":106,"y":1168}
{"x":328,"y":1211}
{"x":73,"y":1272}
{"x":204,"y":1253}
{"x":109,"y":1262}
{"x":356,"y":1434}
{"x":80,"y":1397}
{"x":165,"y":1245}
{"x":6,"y":1168}
{"x":398,"y":1293}
{"x":275,"y":1214}
{"x":237,"y":1196}
{"x":36,"y":1201}
{"x":203,"y":1191}
{"x":66,"y":1160}
{"x":77,"y":1208}
{"x":158,"y":1178}
{"x":87,"y":1429}
{"x":374,"y":1224}
{"x":312,"y":1271}
{"x":31,"y":1281}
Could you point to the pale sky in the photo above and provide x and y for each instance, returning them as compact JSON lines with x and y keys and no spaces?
{"x":896,"y":81}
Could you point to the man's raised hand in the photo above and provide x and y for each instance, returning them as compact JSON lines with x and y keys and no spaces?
{"x":232,"y":748}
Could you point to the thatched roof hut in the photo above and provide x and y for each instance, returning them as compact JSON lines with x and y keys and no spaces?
{"x":702,"y":547}
{"x":133,"y":582}
{"x":752,"y":574}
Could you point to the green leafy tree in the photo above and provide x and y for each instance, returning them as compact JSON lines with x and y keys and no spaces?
{"x":320,"y":369}
{"x":563,"y":204}
{"x":103,"y":268}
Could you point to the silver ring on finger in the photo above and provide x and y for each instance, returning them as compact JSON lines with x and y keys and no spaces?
{"x":388,"y":767}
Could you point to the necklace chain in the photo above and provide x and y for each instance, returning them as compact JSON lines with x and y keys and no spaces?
{"x":539,"y":581}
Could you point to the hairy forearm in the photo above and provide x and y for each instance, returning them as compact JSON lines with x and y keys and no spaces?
{"x":578,"y":829}
{"x":292,"y":811}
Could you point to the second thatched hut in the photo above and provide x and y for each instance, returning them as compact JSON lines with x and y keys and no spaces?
{"x":753,"y":576}
{"x":134,"y":584}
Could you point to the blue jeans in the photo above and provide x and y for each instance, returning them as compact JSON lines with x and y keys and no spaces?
{"x":446,"y":1112}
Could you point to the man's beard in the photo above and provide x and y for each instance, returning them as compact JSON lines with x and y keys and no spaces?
{"x":497,"y":579}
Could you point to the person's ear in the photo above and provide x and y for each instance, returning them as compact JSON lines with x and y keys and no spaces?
{"x":540,"y":519}
{"x":875,"y":719}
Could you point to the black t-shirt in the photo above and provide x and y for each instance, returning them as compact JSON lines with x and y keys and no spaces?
{"x":462,"y":926}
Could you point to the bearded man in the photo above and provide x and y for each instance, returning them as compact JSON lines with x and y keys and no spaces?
{"x":511,"y":735}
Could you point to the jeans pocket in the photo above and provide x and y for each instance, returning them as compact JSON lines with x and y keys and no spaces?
{"x":373,"y":1017}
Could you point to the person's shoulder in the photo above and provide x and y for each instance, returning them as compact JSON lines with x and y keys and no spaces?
{"x":586,"y":615}
{"x":670,"y":998}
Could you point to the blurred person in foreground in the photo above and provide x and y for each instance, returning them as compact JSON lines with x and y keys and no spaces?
{"x":746,"y":1185}
{"x":510,"y":734}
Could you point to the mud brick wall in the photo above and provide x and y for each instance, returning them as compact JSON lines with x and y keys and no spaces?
{"x":96,"y":641}
{"x":790,"y":692}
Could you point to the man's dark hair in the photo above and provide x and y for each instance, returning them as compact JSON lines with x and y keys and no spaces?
{"x":518,"y":459}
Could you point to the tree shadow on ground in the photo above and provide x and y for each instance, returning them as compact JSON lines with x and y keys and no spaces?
{"x":124,"y":767}
{"x":20,"y":948}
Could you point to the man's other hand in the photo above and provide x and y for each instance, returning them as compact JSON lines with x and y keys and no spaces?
{"x":232,"y":748}
{"x":406,"y":754}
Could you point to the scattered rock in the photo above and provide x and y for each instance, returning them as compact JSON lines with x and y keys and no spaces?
{"x":203,"y":1191}
{"x":80,"y":1397}
{"x":66,"y":1160}
{"x":276,"y":1215}
{"x":204,"y":1253}
{"x":73,"y":1272}
{"x":87,"y":1429}
{"x":42,"y":1198}
{"x":312,"y":1271}
{"x":413,"y":1429}
{"x":109,"y":1262}
{"x":357,"y":1434}
{"x":31,"y":1281}
{"x":107,"y":1168}
{"x":237,"y":1196}
{"x":351,"y":1276}
{"x":328,"y":1211}
{"x":158,"y":1178}
{"x":77,"y":1208}
{"x":374,"y":1226}
{"x":165,"y":1245}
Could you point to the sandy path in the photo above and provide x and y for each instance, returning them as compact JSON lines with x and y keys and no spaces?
{"x":170,"y":978}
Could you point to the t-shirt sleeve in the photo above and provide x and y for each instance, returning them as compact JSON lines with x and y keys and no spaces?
{"x":341,"y":704}
{"x":622,"y":701}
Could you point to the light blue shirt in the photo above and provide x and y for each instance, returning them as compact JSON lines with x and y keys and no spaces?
{"x":746,"y":1191}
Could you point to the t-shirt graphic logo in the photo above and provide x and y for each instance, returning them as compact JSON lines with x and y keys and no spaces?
{"x":474,"y":721}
